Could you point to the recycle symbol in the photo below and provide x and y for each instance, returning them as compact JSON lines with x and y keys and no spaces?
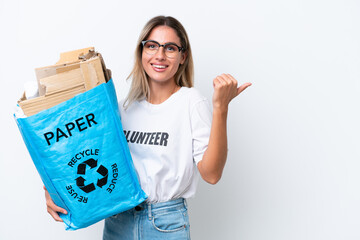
{"x":80,"y":181}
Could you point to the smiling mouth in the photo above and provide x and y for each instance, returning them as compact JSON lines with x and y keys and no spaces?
{"x":159,"y":66}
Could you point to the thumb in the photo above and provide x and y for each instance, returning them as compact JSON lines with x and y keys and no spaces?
{"x":242,"y":88}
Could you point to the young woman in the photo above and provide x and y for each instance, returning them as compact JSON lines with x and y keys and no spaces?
{"x":173,"y":136}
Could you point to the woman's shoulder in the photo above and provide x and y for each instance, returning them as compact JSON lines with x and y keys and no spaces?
{"x":193,"y":94}
{"x":195,"y":99}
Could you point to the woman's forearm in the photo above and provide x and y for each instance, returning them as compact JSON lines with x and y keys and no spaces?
{"x":214,"y":159}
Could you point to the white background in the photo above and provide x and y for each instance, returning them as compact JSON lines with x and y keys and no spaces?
{"x":293,"y":169}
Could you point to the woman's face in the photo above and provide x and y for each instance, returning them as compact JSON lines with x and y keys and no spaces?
{"x":160,"y":68}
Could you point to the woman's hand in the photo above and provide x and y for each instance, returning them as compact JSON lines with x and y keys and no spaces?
{"x":225,"y":89}
{"x":52,"y":209}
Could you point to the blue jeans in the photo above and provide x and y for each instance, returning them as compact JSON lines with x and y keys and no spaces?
{"x":166,"y":220}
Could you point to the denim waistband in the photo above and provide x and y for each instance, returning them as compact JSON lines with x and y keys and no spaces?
{"x":164,"y":204}
{"x":150,"y":207}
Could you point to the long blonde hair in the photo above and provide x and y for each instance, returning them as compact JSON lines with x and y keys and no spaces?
{"x":139,"y":88}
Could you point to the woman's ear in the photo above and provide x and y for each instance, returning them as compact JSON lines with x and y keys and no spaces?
{"x":183,"y":58}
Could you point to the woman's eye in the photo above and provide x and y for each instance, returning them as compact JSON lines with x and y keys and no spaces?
{"x":171,"y":48}
{"x":151,"y":45}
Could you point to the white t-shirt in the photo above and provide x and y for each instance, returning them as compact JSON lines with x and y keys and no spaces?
{"x":167,"y":141}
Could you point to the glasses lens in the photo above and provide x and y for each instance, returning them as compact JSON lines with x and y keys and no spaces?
{"x":151,"y":47}
{"x":171,"y":50}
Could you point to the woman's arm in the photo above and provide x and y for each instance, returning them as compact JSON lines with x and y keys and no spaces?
{"x":212,"y":164}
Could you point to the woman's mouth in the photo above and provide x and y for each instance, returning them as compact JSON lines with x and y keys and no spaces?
{"x":159,"y":68}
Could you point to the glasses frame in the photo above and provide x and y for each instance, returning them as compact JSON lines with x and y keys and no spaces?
{"x":181,"y":49}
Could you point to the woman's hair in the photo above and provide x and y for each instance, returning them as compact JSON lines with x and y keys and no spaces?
{"x":184,"y":76}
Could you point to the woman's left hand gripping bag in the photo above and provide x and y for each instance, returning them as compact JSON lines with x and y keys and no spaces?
{"x":82,"y":156}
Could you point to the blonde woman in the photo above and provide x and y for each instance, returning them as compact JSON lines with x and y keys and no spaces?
{"x":174,"y":137}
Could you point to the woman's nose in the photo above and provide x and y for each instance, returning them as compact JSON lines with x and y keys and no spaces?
{"x":160,"y":54}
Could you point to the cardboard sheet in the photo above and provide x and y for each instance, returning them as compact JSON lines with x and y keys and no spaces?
{"x":76,"y":72}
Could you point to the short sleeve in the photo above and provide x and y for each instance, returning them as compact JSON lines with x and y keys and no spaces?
{"x":200,"y":127}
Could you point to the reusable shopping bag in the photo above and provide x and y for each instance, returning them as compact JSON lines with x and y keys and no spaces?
{"x":82,"y":156}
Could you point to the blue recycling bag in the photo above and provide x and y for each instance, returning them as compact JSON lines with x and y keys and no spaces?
{"x":82,"y":156}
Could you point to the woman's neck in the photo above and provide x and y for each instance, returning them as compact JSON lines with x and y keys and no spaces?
{"x":161,"y":92}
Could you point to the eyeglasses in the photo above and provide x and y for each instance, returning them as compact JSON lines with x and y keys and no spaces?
{"x":171,"y":49}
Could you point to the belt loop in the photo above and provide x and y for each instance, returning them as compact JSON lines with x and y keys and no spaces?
{"x":185,"y":203}
{"x":149,"y":211}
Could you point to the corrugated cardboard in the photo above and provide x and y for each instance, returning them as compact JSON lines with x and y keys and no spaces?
{"x":76,"y":72}
{"x":72,"y":56}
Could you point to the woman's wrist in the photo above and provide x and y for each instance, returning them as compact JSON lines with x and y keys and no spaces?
{"x":220,"y":111}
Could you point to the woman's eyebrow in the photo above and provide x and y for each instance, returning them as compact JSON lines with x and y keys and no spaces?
{"x":172,"y":43}
{"x":164,"y":43}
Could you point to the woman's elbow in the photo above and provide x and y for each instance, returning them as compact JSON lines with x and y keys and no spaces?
{"x":211,"y":176}
{"x":212,"y":179}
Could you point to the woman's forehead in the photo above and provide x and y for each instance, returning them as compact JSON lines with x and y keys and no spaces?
{"x":164,"y":34}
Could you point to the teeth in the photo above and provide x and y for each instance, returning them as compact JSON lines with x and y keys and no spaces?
{"x":159,"y":66}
